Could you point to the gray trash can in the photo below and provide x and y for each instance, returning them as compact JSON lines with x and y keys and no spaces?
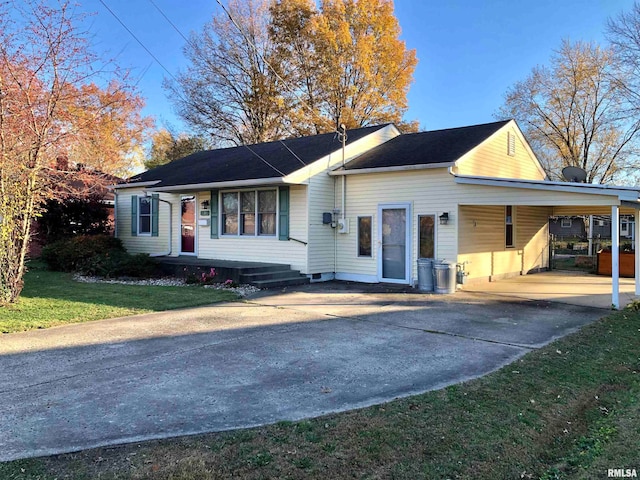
{"x":444,"y":274}
{"x":425,"y":274}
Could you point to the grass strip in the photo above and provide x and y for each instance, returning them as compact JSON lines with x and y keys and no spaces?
{"x":53,"y":298}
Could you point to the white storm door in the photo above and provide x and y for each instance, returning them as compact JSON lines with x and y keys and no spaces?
{"x":394,"y":243}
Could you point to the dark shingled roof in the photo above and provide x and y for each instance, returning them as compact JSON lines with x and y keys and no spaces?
{"x":239,"y":163}
{"x":437,"y":146}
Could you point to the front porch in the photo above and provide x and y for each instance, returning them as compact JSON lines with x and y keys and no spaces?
{"x":258,"y":274}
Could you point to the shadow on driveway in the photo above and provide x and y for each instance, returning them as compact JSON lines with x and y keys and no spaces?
{"x":286,"y":355}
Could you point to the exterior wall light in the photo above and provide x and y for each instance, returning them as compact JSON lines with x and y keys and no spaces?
{"x":444,"y":218}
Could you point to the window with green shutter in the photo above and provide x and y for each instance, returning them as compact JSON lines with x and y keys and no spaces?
{"x":214,"y":213}
{"x":283,"y":213}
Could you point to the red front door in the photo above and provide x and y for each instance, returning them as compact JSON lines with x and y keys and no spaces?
{"x":188,"y":224}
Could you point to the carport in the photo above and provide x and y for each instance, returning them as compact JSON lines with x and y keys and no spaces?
{"x":563,"y":198}
{"x":568,"y":287}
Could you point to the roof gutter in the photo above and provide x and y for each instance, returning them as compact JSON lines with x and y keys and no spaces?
{"x":210,"y":185}
{"x":399,"y":168}
{"x":135,"y":184}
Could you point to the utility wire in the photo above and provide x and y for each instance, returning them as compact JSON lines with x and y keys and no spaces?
{"x":292,"y":153}
{"x":189,"y":43}
{"x":260,"y":157}
{"x":138,"y":40}
{"x":275,"y":72}
{"x":170,"y":22}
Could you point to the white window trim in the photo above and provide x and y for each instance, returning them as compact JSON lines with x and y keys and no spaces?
{"x":239,"y":234}
{"x":562,"y":222}
{"x":513,"y":227}
{"x":358,"y":236}
{"x":408,"y":238}
{"x":150,"y":214}
{"x":435,"y":234}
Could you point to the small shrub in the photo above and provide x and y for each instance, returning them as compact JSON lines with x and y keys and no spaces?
{"x":120,"y":264}
{"x":228,"y":283}
{"x":69,"y":254}
{"x":199,"y":277}
{"x":140,"y":265}
{"x":98,"y":255}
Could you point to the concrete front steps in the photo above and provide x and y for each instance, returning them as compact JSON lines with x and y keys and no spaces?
{"x":261,"y":275}
{"x":272,"y":276}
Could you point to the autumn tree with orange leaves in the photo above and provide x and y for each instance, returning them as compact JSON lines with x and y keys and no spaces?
{"x":48,"y":109}
{"x":356,"y":70}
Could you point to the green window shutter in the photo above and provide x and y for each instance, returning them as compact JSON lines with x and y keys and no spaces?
{"x":134,"y":215}
{"x":283,"y":213}
{"x":213,"y":205}
{"x":155,"y":211}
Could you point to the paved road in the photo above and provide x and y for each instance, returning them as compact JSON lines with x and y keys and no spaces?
{"x":318,"y":349}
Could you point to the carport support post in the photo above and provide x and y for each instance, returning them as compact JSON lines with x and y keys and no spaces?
{"x":636,"y":247}
{"x":615,"y":257}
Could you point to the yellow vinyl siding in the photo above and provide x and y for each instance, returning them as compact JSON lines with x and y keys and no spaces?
{"x":532,"y":235}
{"x":321,"y":237}
{"x":490,"y":159}
{"x":482,"y":241}
{"x":143,"y":243}
{"x":263,"y":249}
{"x":429,"y":192}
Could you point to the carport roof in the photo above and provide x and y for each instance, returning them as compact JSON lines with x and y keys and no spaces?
{"x":628,"y":196}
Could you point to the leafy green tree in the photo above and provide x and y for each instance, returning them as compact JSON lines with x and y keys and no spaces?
{"x":167,"y":147}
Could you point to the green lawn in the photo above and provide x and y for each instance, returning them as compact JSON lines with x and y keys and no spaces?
{"x":570,"y":410}
{"x":53,"y":298}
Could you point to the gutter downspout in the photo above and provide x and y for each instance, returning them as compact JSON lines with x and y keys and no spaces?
{"x":636,"y":243}
{"x":115,"y":212}
{"x":344,"y":188}
{"x":168,"y":252}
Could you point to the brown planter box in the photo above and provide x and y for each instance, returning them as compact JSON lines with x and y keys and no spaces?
{"x":627,"y":264}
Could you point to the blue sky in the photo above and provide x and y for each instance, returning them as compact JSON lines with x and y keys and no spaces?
{"x":470,"y":51}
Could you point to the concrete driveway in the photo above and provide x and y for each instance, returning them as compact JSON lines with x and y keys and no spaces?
{"x":281,"y":356}
{"x":575,"y":288}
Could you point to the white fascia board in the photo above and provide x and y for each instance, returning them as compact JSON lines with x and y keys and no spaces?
{"x":215,"y":185}
{"x":398,"y":168}
{"x":623,"y":193}
{"x":136,"y":184}
{"x":351,"y":151}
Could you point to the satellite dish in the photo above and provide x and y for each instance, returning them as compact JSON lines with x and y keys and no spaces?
{"x":574,"y":174}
